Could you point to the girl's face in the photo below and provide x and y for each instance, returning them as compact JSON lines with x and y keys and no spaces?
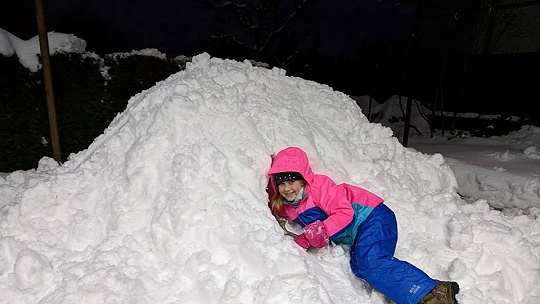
{"x":290,"y":189}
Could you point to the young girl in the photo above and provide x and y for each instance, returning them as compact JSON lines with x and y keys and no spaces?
{"x":347,"y":214}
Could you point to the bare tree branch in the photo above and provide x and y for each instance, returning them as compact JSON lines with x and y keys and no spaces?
{"x":262,"y":20}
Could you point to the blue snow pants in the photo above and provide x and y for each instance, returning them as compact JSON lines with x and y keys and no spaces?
{"x":372,"y":259}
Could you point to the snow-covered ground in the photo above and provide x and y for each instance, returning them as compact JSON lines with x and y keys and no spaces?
{"x":504,"y":170}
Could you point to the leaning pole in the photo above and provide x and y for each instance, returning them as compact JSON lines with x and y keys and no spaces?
{"x":46,"y":62}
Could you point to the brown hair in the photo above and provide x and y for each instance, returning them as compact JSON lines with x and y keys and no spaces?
{"x":276,"y":202}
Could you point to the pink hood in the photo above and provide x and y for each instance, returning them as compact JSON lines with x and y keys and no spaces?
{"x":292,"y":159}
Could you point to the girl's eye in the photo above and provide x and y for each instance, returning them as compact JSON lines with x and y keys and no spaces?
{"x":288,"y":183}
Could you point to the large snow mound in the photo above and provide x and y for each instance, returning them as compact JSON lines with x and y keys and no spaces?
{"x":169,"y":204}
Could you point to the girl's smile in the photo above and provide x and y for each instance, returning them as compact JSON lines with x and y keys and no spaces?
{"x":289,"y":189}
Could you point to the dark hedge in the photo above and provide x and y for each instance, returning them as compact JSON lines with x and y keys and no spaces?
{"x":90,"y":91}
{"x":86,"y":101}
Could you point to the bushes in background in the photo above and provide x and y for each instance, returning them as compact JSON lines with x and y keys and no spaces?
{"x":89,"y":92}
{"x":23,"y":119}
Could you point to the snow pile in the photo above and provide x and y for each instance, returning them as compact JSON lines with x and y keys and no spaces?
{"x":169,"y":204}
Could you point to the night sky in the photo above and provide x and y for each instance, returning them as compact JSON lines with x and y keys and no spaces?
{"x":331,"y":30}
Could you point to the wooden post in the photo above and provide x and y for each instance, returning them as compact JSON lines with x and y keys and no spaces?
{"x":45,"y":60}
{"x":407,"y":122}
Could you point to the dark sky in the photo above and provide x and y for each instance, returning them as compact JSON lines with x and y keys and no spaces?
{"x":327,"y":40}
{"x":111,"y":26}
{"x":337,"y":31}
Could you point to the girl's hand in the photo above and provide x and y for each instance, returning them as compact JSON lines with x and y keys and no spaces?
{"x":302,"y":241}
{"x":316,"y":234}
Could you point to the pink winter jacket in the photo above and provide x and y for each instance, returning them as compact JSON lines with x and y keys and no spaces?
{"x":341,"y":208}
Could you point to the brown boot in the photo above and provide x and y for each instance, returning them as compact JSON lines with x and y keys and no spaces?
{"x":443,"y":293}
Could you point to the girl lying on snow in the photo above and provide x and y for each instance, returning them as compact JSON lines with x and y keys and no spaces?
{"x":347,"y":214}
